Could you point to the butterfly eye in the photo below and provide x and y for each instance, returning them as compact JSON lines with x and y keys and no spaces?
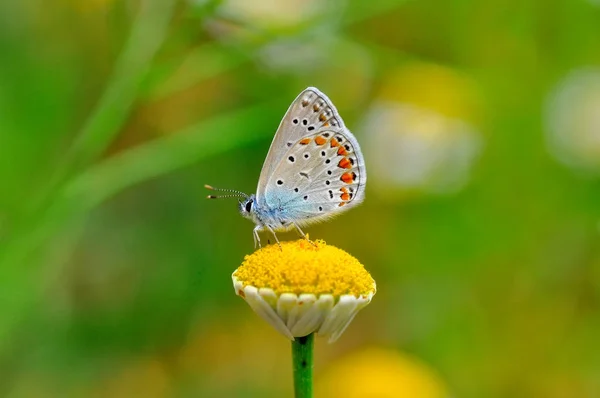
{"x":249,"y":206}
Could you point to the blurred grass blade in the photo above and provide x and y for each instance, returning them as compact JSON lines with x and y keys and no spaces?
{"x":167,"y":154}
{"x":209,"y":60}
{"x":147,"y":35}
{"x":24,"y":248}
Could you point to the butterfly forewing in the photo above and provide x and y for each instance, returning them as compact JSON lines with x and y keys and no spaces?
{"x":308,"y":114}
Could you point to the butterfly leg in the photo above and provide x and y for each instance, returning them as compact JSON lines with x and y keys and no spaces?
{"x":256,"y":237}
{"x":274,"y":235}
{"x":303,"y":234}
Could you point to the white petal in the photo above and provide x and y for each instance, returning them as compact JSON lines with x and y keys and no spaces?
{"x":238,"y":286}
{"x":269,"y":296}
{"x":339,"y":315}
{"x":337,"y":333}
{"x":313,"y":315}
{"x":304,"y":307}
{"x":286,"y":302}
{"x":262,"y":308}
{"x":361,"y":303}
{"x":296,"y":313}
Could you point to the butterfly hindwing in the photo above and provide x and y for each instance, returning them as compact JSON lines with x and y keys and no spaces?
{"x":319,"y":176}
{"x":309,"y":113}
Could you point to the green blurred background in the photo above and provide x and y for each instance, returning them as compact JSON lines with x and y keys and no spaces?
{"x":480,"y":127}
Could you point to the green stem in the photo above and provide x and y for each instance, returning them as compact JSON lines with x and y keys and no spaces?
{"x":302,"y":357}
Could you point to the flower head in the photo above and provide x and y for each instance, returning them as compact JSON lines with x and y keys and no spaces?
{"x":303,"y":287}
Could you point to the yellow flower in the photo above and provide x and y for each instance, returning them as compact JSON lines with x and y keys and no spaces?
{"x":380,"y":373}
{"x":302,"y":288}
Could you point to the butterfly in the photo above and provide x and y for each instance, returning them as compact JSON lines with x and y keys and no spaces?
{"x":314,"y":170}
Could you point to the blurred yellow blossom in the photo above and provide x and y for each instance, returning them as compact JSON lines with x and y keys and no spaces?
{"x":435,"y":87}
{"x":379,"y":373}
{"x":147,"y":378}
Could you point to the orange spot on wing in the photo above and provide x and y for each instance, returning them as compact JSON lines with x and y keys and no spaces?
{"x":341,"y":204}
{"x":305,"y":141}
{"x":326,"y":124}
{"x":322,"y":117}
{"x":342,"y":151}
{"x":345,"y":164}
{"x":319,"y":140}
{"x":334,"y":143}
{"x":344,"y":189}
{"x":345,"y":196}
{"x":348,"y":177}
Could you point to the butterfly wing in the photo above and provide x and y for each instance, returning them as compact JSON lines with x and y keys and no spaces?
{"x":320,"y":176}
{"x":310,"y":112}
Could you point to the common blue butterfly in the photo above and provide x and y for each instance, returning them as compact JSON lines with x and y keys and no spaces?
{"x":314,"y":170}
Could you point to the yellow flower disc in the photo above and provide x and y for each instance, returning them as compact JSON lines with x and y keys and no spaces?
{"x":300,"y":267}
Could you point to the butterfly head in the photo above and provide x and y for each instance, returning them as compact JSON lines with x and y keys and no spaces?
{"x":246,"y":206}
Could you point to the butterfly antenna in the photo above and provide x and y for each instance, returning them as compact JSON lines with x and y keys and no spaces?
{"x":235,"y":194}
